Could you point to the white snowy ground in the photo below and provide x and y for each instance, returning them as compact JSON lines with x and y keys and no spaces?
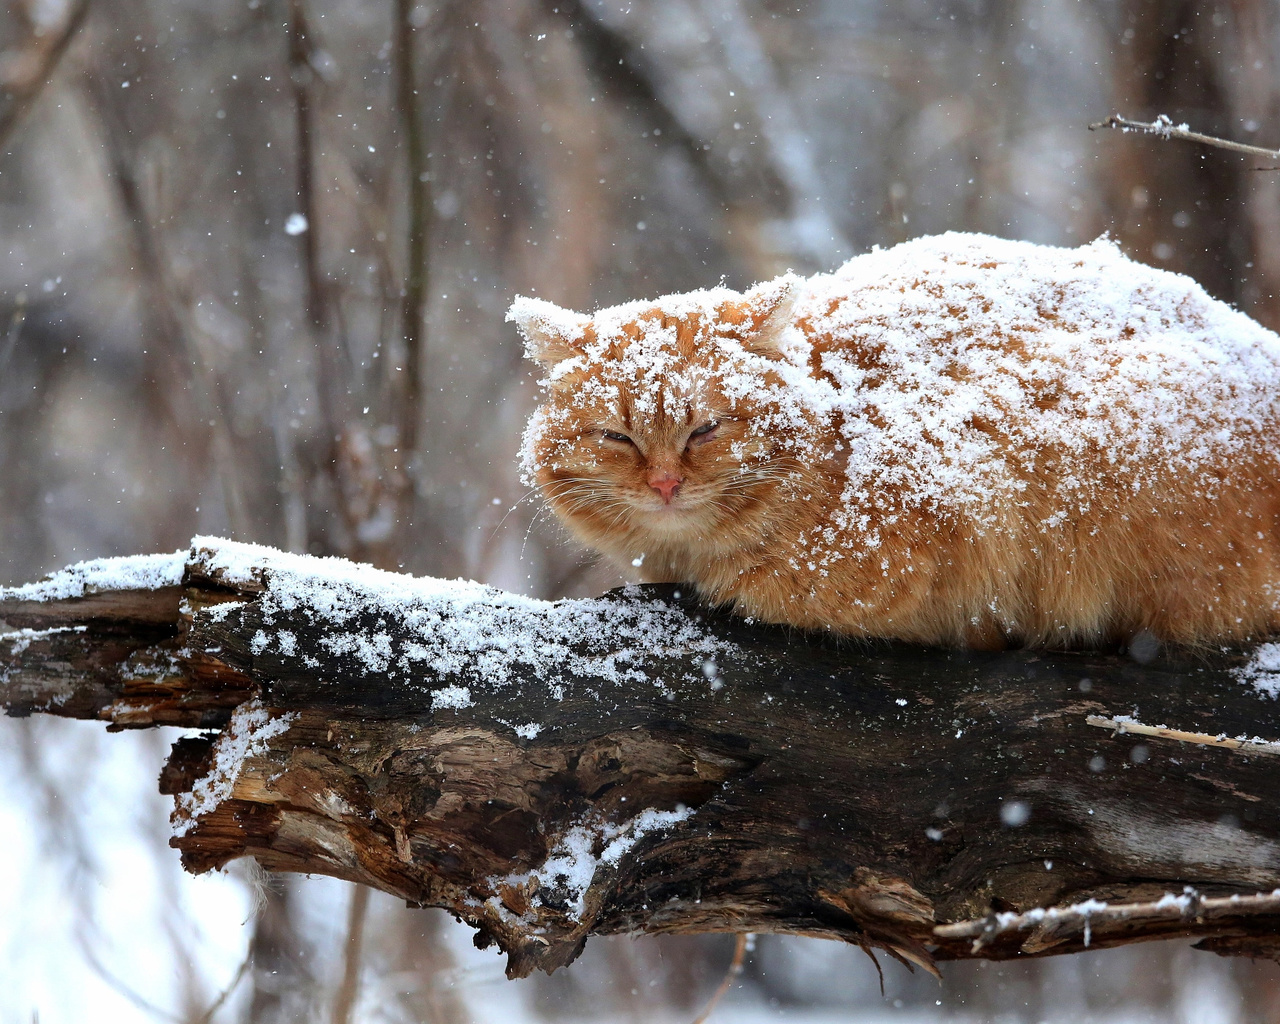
{"x":99,"y":924}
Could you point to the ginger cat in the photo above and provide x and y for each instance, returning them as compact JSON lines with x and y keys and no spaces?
{"x":960,"y":440}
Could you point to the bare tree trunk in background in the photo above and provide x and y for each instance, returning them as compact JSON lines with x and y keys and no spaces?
{"x":327,"y":337}
{"x":24,"y":517}
{"x":281,"y":979}
{"x":1177,"y":206}
{"x":360,"y":472}
{"x":1254,"y":101}
{"x":353,"y":953}
{"x":302,"y":76}
{"x":420,"y":953}
{"x":682,"y":972}
{"x":319,"y":323}
{"x":413,"y":134}
{"x":998,"y":126}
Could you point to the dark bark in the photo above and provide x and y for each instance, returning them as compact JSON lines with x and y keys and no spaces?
{"x":851,"y":791}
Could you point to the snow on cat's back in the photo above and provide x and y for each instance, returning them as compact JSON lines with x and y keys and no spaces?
{"x":957,"y":440}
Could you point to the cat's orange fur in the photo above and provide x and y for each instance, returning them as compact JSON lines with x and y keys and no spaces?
{"x":1140,"y":499}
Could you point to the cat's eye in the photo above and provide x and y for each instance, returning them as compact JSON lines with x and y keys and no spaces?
{"x":613,"y":435}
{"x":703,"y":434}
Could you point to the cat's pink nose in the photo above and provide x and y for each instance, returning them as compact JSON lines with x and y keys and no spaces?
{"x":665,"y":483}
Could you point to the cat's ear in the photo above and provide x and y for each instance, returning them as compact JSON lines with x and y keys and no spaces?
{"x":551,"y":334}
{"x":771,"y":308}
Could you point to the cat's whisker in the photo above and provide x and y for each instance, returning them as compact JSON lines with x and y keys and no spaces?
{"x":533,"y":521}
{"x":519,"y":501}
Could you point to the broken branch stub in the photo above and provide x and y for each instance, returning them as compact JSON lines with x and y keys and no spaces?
{"x":636,"y":763}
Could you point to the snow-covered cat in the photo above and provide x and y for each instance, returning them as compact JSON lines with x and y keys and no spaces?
{"x":960,"y":440}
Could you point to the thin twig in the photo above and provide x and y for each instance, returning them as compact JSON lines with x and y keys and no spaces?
{"x":328,"y":339}
{"x":1123,"y":726}
{"x":735,"y":968}
{"x":344,"y":1002}
{"x":231,"y":986}
{"x":300,"y":74}
{"x":1097,"y":914}
{"x":1164,"y":127}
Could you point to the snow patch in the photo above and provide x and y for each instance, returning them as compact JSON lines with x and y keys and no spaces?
{"x":455,"y":697}
{"x":134,"y":572}
{"x":455,"y":628}
{"x":20,"y":639}
{"x":538,"y":319}
{"x":1263,"y":670}
{"x":570,"y":868}
{"x":245,"y":736}
{"x":372,"y":651}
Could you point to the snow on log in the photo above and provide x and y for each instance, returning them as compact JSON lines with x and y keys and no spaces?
{"x":638,"y":763}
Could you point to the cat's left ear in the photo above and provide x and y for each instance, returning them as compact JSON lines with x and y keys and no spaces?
{"x":771,"y":307}
{"x":551,"y":334}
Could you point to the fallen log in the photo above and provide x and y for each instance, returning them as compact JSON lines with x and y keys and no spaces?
{"x":638,"y":763}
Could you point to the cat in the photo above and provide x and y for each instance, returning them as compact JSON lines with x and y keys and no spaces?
{"x":959,"y":441}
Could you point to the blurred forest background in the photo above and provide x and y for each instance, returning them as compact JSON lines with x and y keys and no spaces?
{"x":255,"y":259}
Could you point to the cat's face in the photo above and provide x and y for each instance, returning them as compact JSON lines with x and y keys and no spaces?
{"x":653,"y":434}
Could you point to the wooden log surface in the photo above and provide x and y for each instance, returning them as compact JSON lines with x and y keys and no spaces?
{"x":637,"y":763}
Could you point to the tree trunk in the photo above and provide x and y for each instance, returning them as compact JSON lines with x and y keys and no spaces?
{"x":638,"y":763}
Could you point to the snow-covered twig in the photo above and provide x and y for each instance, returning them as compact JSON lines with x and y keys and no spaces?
{"x":1125,"y":724}
{"x":1095,"y":915}
{"x":1164,"y":127}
